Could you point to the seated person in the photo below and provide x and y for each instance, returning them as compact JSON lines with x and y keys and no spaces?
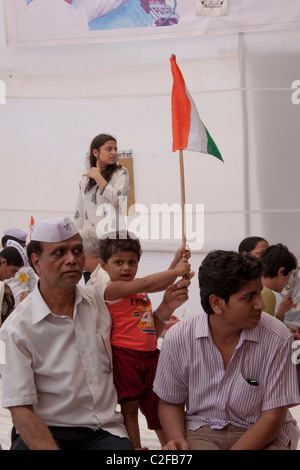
{"x":278,"y":264}
{"x":24,"y":282}
{"x":253,"y":246}
{"x":58,"y":379}
{"x":225,"y":378}
{"x":10,"y":263}
{"x":7,"y":302}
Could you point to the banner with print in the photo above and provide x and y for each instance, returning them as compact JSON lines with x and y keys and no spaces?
{"x":33,"y":22}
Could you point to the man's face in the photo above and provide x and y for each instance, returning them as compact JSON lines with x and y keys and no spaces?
{"x":282,"y":280}
{"x":243,"y":309}
{"x":60,"y":264}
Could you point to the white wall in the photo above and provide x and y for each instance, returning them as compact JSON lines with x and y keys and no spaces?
{"x":272,"y":67}
{"x":60,"y":97}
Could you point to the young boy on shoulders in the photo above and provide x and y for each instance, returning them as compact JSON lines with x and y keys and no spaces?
{"x":134,"y":336}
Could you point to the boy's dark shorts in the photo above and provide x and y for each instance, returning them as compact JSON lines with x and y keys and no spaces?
{"x":134,"y":373}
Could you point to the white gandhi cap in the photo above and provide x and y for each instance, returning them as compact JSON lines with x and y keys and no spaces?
{"x":17,"y":233}
{"x":53,"y":230}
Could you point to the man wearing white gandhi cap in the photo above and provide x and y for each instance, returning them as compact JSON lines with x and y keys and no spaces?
{"x":57,"y":377}
{"x":53,"y":230}
{"x":14,"y":234}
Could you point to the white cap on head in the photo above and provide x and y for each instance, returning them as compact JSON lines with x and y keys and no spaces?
{"x":53,"y":230}
{"x":17,"y":233}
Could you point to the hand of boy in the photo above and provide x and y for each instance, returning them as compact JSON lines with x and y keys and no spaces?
{"x":181,"y":252}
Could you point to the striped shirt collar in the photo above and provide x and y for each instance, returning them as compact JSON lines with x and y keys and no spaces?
{"x":203,"y":331}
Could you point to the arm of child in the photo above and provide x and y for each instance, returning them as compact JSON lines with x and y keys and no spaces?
{"x":152,"y":283}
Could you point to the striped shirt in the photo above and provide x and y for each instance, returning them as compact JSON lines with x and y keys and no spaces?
{"x":191,"y":371}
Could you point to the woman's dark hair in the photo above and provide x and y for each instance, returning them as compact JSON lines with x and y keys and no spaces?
{"x":249,"y":243}
{"x":276,"y":257}
{"x":96,"y":143}
{"x":12,"y":256}
{"x":223,"y":273}
{"x":119,"y":241}
{"x":33,"y":246}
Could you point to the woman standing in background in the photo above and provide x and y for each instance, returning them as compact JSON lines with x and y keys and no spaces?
{"x":102,"y":186}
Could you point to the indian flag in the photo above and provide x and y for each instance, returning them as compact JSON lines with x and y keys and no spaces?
{"x":189,"y":132}
{"x":31,"y":224}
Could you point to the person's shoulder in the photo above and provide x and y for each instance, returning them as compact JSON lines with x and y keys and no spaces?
{"x":91,"y":294}
{"x":83,"y":182}
{"x":19,"y":317}
{"x":274,"y":326}
{"x":120,"y":167}
{"x":266,"y":291}
{"x":187,"y":327}
{"x":121,"y":170}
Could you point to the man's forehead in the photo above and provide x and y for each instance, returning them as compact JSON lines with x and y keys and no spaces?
{"x":75,"y":240}
{"x":253,"y":285}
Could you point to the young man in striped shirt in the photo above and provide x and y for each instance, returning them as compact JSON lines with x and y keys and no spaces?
{"x":226,"y":377}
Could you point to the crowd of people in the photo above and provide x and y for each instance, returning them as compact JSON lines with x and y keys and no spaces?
{"x":78,"y":346}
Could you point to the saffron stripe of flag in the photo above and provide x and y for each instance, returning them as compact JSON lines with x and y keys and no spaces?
{"x":31,"y":225}
{"x":189,"y":132}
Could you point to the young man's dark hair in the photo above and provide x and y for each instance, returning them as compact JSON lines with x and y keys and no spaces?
{"x":276,"y":257}
{"x":120,"y":241}
{"x":223,"y":273}
{"x":12,"y":257}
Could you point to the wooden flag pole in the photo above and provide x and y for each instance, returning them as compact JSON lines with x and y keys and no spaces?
{"x":182,"y":185}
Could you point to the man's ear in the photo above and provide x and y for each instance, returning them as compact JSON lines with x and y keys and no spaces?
{"x":103,"y":265}
{"x":35,"y":259}
{"x":216,"y":303}
{"x":281,"y":272}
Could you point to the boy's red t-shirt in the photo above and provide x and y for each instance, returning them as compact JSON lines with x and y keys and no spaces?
{"x":133,"y":323}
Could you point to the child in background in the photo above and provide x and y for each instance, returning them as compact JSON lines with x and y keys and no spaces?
{"x":134,"y":336}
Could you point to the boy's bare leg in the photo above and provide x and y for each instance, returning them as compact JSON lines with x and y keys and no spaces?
{"x":129,"y":411}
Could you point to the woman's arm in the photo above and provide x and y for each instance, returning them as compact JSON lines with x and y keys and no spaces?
{"x":119,"y":185}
